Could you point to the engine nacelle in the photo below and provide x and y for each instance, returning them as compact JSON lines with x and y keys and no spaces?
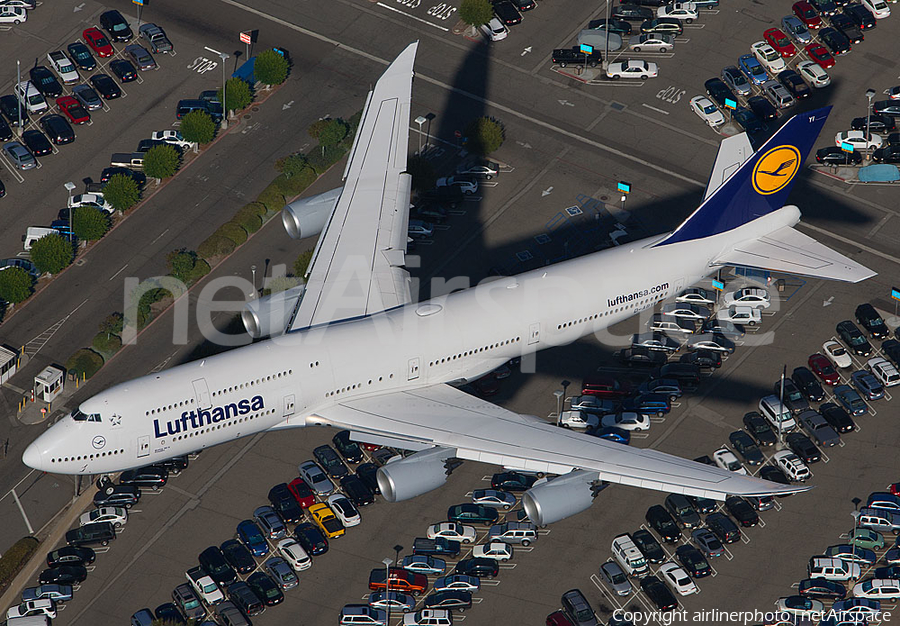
{"x":268,"y":316}
{"x":559,"y":497}
{"x":419,"y":473}
{"x":307,"y":216}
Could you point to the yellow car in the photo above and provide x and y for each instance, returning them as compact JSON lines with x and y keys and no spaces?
{"x":326,"y":520}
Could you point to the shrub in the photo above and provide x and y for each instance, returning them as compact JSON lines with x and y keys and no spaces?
{"x":15,"y":285}
{"x":248,"y":220}
{"x":277,"y":284}
{"x":198,"y":126}
{"x":256,"y":207}
{"x":315,"y":129}
{"x":272,"y":199}
{"x":151,"y":297}
{"x":353,"y":123}
{"x":161,"y":161}
{"x":234,"y":232}
{"x":113,"y":324}
{"x":200,"y":269}
{"x":89,"y":223}
{"x":332,"y":133}
{"x":476,"y":12}
{"x":85,"y":363}
{"x":122,"y":192}
{"x":328,"y":157}
{"x":180,"y":263}
{"x":270,"y":68}
{"x":292,"y":164}
{"x":485,"y":135}
{"x":106,"y":344}
{"x":302,"y":264}
{"x":15,"y":557}
{"x":215,"y":245}
{"x":422,"y":172}
{"x":52,"y":254}
{"x":238,"y":93}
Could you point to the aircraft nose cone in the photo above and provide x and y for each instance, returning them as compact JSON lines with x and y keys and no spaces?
{"x":32,"y":457}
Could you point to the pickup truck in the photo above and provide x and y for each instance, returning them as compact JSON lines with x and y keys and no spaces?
{"x":438,"y":546}
{"x":574,"y":56}
{"x":204,"y":585}
{"x":401,"y":580}
{"x":133,"y":160}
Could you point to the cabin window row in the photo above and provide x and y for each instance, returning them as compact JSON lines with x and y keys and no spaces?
{"x":88,"y":457}
{"x":337,"y":392}
{"x":474,"y":351}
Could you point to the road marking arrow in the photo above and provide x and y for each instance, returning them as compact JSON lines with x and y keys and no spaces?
{"x":525,"y":145}
{"x":566,"y":103}
{"x":526,"y":51}
{"x":287,"y":105}
{"x":547,"y":191}
{"x":78,"y":8}
{"x":828,"y":301}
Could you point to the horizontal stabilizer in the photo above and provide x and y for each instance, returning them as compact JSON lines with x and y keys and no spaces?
{"x":789,"y":251}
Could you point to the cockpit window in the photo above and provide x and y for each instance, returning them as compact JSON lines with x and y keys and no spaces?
{"x":78,"y":416}
{"x":94,"y":417}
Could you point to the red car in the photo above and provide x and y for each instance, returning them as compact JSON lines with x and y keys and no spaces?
{"x":824,"y":369}
{"x":894,"y":488}
{"x":819,"y":53}
{"x":71,"y":108}
{"x":559,"y":618}
{"x":780,"y":42}
{"x":302,"y":493}
{"x":98,"y":42}
{"x":604,"y":387}
{"x":807,"y":14}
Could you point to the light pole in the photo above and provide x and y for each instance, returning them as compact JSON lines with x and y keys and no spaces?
{"x":870,"y":93}
{"x":224,"y":57}
{"x":253,"y":272}
{"x":19,"y":129}
{"x":419,"y":121}
{"x":559,"y":393}
{"x":397,"y":550}
{"x":855,"y":515}
{"x":387,"y":587}
{"x":565,"y":385}
{"x":605,"y":62}
{"x":70,"y":187}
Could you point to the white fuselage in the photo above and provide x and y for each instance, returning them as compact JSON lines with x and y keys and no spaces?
{"x":282,"y":382}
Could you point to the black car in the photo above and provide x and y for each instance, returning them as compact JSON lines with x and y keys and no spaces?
{"x":853,"y":338}
{"x":658,"y":593}
{"x":643,"y":356}
{"x":439,"y":546}
{"x":478,"y":567}
{"x":574,"y":56}
{"x":330,"y":461}
{"x":837,"y":417}
{"x":174,"y":466}
{"x":773,"y":474}
{"x":748,"y":120}
{"x":506,"y":12}
{"x":709,"y":359}
{"x":136,"y":176}
{"x":759,"y":429}
{"x":877,"y":123}
{"x":794,"y":83}
{"x":434,"y":212}
{"x":123,"y":70}
{"x":693,"y":561}
{"x":649,"y":546}
{"x":311,"y":538}
{"x":762,"y":108}
{"x":12,"y":109}
{"x":891,"y":349}
{"x":45,"y":81}
{"x":265,"y":588}
{"x":350,"y":450}
{"x":824,"y":7}
{"x":285,"y":504}
{"x":116,"y":25}
{"x":71,"y":555}
{"x":632,"y":13}
{"x":58,"y":129}
{"x":357,"y":491}
{"x":887,"y":154}
{"x":81,"y":56}
{"x":703,"y":505}
{"x":150,"y":476}
{"x":238,"y":556}
{"x":243,"y":596}
{"x":5,"y":130}
{"x":835,"y":41}
{"x":886,"y":107}
{"x":105,"y":86}
{"x":793,"y":398}
{"x":663,"y":25}
{"x":450,"y":599}
{"x":891,"y":571}
{"x":117,"y":495}
{"x":36,"y":142}
{"x":861,"y":15}
{"x":63,"y":575}
{"x":719,"y":91}
{"x":723,"y":528}
{"x":848,"y":27}
{"x":803,"y":447}
{"x":620,"y":27}
{"x":645,"y":3}
{"x":661,"y":521}
{"x":742,"y":511}
{"x":832,"y":155}
{"x":512,"y":481}
{"x":96,"y":533}
{"x":746,"y":447}
{"x":214,"y":564}
{"x":169,"y":614}
{"x":524,"y":5}
{"x":869,"y":319}
{"x":821,"y":588}
{"x":368,"y":472}
{"x":807,"y":383}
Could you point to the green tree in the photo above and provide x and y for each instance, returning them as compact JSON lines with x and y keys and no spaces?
{"x":121,"y":191}
{"x":181,"y":263}
{"x":238,"y":93}
{"x":52,"y":254}
{"x":332,"y":133}
{"x":270,"y":68}
{"x":485,"y":135}
{"x":161,"y":161}
{"x":422,"y":172}
{"x":302,"y":264}
{"x":315,"y":129}
{"x":476,"y":12}
{"x":89,"y":223}
{"x":198,"y":126}
{"x":113,"y":324}
{"x":15,"y":285}
{"x":292,"y":164}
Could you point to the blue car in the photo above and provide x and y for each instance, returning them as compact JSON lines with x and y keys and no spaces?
{"x":57,"y":593}
{"x":867,"y":385}
{"x":611,"y":433}
{"x":251,"y":536}
{"x":851,"y":400}
{"x":752,"y":69}
{"x":852,"y":554}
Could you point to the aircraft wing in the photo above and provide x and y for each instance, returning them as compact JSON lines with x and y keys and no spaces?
{"x":357,"y":267}
{"x":481,"y":431}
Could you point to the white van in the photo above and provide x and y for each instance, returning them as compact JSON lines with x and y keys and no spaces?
{"x":33,"y":233}
{"x":880,"y":520}
{"x":31,"y":620}
{"x":628,"y":556}
{"x":831,"y":568}
{"x":775,"y":411}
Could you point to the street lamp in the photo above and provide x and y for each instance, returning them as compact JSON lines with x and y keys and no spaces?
{"x":19,"y":128}
{"x":224,"y":57}
{"x":419,"y":121}
{"x":397,"y":550}
{"x":870,"y":93}
{"x":253,"y":272}
{"x":70,"y":187}
{"x":387,"y":586}
{"x":565,"y":385}
{"x":559,"y":393}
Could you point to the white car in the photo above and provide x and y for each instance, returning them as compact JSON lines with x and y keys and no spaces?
{"x":814,"y":74}
{"x":427,"y":617}
{"x":857,"y":138}
{"x":652,"y":42}
{"x":754,"y":297}
{"x":685,"y":11}
{"x":466,"y":185}
{"x":878,"y":8}
{"x":497,"y":550}
{"x":696,"y":295}
{"x":707,"y":111}
{"x":791,"y":465}
{"x":578,"y":419}
{"x":687,"y":311}
{"x":884,"y":371}
{"x":632,"y":69}
{"x":293,"y":553}
{"x":494,"y":498}
{"x":726,"y":459}
{"x":44,"y":606}
{"x":877,"y":589}
{"x":740,"y":315}
{"x":91,"y":199}
{"x":29,"y":96}
{"x":837,"y":354}
{"x":799,"y":606}
{"x":12,"y":15}
{"x":677,"y":579}
{"x":173,"y":137}
{"x":115,"y":515}
{"x":627,"y":421}
{"x":452,"y":531}
{"x":495,"y":30}
{"x":344,"y":509}
{"x":64,"y":67}
{"x":768,"y":56}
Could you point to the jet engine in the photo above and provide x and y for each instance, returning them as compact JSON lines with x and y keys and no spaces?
{"x":402,"y":479}
{"x":307,"y":216}
{"x":556,"y":498}
{"x":268,"y":316}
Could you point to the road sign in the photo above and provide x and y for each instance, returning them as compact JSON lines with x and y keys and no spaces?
{"x":730,"y":104}
{"x":624,"y":187}
{"x":140,"y":3}
{"x":846,"y":146}
{"x":587,"y":49}
{"x":457,"y":134}
{"x":718,"y":285}
{"x":895,"y":293}
{"x":246,"y":37}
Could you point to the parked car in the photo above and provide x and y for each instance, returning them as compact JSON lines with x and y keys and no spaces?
{"x":156,"y":38}
{"x":742,"y":511}
{"x":265,"y":588}
{"x":106,"y":86}
{"x":853,"y":338}
{"x":313,"y":476}
{"x":803,"y":447}
{"x":150,"y":476}
{"x":116,"y":25}
{"x":648,"y":546}
{"x":123,"y":70}
{"x":249,"y":533}
{"x":659,"y":519}
{"x":512,"y":481}
{"x":723,"y":528}
{"x":693,"y":560}
{"x":851,"y":400}
{"x":823,"y":368}
{"x":636,"y":68}
{"x":746,"y":447}
{"x":117,"y":495}
{"x":867,"y":385}
{"x":759,"y":429}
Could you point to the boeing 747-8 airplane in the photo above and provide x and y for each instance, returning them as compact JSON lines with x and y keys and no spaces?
{"x":353,"y":351}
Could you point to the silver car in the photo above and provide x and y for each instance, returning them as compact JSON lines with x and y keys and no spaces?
{"x":269,"y":522}
{"x":613,"y":575}
{"x":652,"y":42}
{"x":20,"y":156}
{"x":282,"y":573}
{"x":313,"y":475}
{"x":796,"y":29}
{"x":87,"y":97}
{"x":735,"y":79}
{"x":141,"y":57}
{"x":778,"y":95}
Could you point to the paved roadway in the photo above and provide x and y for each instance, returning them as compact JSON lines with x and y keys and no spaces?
{"x":580,"y":146}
